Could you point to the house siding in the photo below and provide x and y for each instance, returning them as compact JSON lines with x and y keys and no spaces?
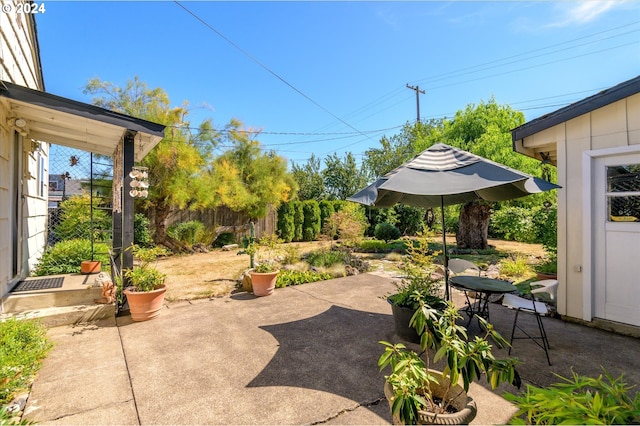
{"x":20,"y":64}
{"x":611,"y":126}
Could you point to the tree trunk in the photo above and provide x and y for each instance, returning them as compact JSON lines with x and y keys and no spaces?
{"x":161,"y":238}
{"x":473,"y":226}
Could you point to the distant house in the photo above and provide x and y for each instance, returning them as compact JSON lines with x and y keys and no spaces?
{"x":595,"y":144}
{"x":61,"y":188}
{"x":30,"y":120}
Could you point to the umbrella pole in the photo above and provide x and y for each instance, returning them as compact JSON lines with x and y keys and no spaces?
{"x":444,"y":252}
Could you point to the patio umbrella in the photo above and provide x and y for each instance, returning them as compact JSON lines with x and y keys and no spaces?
{"x":443,"y":175}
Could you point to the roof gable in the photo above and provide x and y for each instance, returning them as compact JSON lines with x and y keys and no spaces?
{"x":584,"y":106}
{"x":67,"y":122}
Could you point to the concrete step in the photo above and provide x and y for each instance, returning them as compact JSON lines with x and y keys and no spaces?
{"x":68,"y":315}
{"x":30,"y":301}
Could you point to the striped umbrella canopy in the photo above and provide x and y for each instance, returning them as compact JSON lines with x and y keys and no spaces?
{"x":443,"y":175}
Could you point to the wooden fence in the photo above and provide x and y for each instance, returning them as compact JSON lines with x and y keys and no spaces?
{"x":223,"y":216}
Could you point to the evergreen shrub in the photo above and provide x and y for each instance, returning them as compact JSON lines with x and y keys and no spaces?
{"x":326,"y":210}
{"x":286,"y":225}
{"x":311,"y":221}
{"x":386,"y":231}
{"x":298,"y":220}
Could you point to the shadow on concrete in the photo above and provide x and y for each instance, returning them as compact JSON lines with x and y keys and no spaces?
{"x":335,"y":351}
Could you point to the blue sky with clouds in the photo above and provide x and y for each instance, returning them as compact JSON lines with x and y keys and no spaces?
{"x":325,"y":77}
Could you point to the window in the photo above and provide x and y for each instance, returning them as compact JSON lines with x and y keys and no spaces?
{"x":623,"y":193}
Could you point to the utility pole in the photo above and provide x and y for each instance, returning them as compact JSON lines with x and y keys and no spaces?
{"x":418,"y":91}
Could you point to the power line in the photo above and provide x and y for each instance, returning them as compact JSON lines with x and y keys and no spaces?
{"x":269,"y":70}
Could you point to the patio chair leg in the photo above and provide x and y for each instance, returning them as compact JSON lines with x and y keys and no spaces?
{"x":513,"y":330}
{"x":543,"y":335}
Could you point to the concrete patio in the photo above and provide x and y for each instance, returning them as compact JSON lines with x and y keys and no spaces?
{"x":305,"y":355}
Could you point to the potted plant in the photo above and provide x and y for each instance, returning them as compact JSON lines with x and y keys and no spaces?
{"x":416,"y":285}
{"x":420,"y":395}
{"x":90,"y":267}
{"x":548,"y":270}
{"x":146,"y":291}
{"x":265,"y":272}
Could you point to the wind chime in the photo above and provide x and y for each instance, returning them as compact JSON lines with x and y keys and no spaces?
{"x":139,"y":182}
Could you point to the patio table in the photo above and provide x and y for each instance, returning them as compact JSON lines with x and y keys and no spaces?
{"x":483,"y":287}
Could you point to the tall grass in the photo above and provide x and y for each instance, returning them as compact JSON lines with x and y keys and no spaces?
{"x":23,"y":346}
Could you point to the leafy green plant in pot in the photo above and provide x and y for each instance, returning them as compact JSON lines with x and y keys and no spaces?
{"x":418,"y":394}
{"x":145,"y":294}
{"x":417,"y":285}
{"x":265,"y":272}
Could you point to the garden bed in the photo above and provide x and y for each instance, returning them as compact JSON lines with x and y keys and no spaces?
{"x":215,"y":274}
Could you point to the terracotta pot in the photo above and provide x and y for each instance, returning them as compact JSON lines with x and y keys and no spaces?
{"x":546,"y":276}
{"x":90,"y":267}
{"x":145,"y":305}
{"x":263,"y":283}
{"x":465,"y":405}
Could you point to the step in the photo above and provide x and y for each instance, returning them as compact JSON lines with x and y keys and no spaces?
{"x":105,"y":314}
{"x":30,"y":301}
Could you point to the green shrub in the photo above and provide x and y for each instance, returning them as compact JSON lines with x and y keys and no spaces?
{"x":410,"y":219}
{"x":75,"y":219}
{"x":286,"y":227}
{"x":578,"y":400}
{"x":66,"y":256}
{"x":545,"y":221}
{"x":386,"y":231}
{"x":514,"y":266}
{"x":224,"y":239}
{"x":142,"y":231}
{"x":377,"y":216}
{"x":326,"y":258}
{"x":326,"y":210}
{"x":290,"y":254}
{"x":298,"y":220}
{"x":287,"y":278}
{"x":190,"y":232}
{"x":513,"y":224}
{"x":311,"y":221}
{"x":375,"y":246}
{"x":347,"y":224}
{"x":23,"y":346}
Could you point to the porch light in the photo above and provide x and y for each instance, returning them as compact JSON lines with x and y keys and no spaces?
{"x":139,"y":183}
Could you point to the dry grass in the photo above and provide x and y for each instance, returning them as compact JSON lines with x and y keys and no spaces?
{"x":212,"y":274}
{"x":216,"y":273}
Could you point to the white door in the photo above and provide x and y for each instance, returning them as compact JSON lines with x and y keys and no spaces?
{"x":616,"y":203}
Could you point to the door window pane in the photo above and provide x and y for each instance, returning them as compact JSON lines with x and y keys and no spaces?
{"x":623,"y":193}
{"x":623,"y":178}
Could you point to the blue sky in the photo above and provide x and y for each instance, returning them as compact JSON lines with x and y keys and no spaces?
{"x":325,"y":77}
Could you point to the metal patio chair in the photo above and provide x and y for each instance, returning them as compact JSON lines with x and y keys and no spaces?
{"x":535,"y":307}
{"x":458,"y":266}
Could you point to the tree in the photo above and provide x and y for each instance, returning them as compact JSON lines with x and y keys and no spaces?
{"x":485,"y":130}
{"x":342,"y":178}
{"x":309,"y":179}
{"x":183,"y":172}
{"x":413,"y":139}
{"x":176,"y":163}
{"x":246,"y":179}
